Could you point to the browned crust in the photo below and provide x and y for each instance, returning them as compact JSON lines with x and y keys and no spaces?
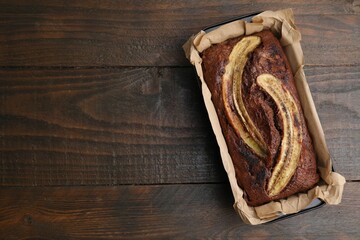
{"x":252,"y":172}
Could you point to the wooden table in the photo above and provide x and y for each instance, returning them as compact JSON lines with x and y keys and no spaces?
{"x":103,"y":132}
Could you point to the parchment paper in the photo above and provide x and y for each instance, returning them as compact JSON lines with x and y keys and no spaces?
{"x":281,"y":23}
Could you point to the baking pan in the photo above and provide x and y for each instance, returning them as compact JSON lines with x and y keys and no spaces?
{"x":316,"y":203}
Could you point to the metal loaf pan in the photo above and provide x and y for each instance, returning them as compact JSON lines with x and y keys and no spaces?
{"x":316,"y":203}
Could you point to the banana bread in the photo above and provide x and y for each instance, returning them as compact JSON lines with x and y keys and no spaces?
{"x":257,"y":104}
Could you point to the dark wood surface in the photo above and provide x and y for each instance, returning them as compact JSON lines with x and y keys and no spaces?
{"x":151,"y":33}
{"x":103,"y":133}
{"x":167,"y":212}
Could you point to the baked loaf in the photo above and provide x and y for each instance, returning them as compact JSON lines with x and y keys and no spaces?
{"x":254,"y":94}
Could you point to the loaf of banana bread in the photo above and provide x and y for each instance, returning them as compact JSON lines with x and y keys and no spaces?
{"x":257,"y":104}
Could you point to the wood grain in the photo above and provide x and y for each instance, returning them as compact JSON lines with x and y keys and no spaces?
{"x":151,"y":33}
{"x":105,"y":126}
{"x":159,"y":212}
{"x":336,"y":93}
{"x":104,"y":135}
{"x":139,"y":126}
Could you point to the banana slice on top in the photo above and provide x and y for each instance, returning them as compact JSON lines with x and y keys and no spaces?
{"x":291,"y":142}
{"x":232,"y":93}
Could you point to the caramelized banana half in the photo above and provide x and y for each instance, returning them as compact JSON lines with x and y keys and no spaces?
{"x":232,"y":92}
{"x":292,"y":131}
